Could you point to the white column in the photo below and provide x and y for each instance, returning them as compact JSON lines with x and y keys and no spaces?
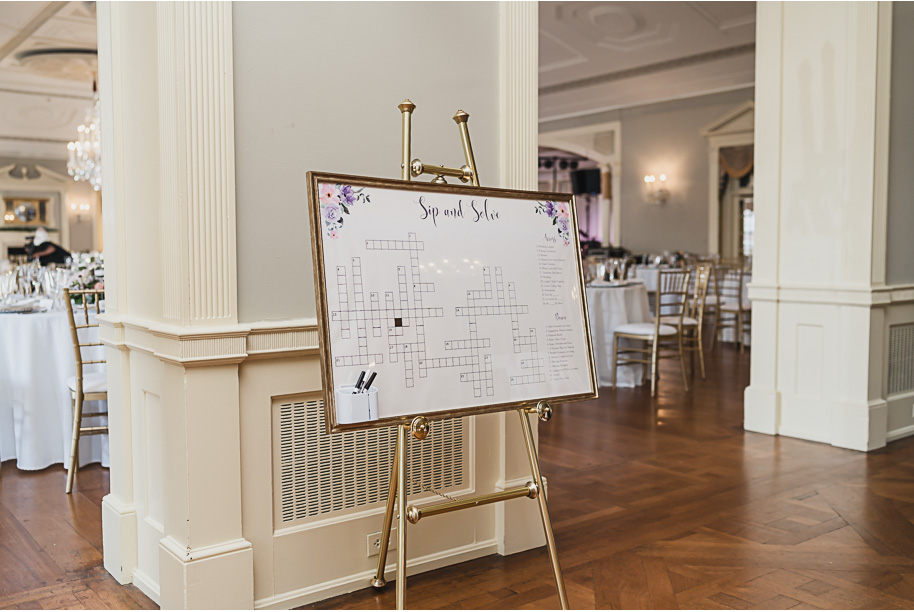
{"x":517,"y":521}
{"x":198,"y":162}
{"x":172,"y":522}
{"x":820,"y":221}
{"x":204,"y":561}
{"x":119,"y":520}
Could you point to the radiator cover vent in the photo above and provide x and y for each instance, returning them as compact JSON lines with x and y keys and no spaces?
{"x":316,"y":473}
{"x":901,"y":358}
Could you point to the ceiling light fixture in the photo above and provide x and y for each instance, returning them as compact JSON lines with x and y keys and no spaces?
{"x":84,"y":162}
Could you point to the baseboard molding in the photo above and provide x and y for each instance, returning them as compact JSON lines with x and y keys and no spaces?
{"x":145,"y":584}
{"x":804,"y":435}
{"x":354,"y":582}
{"x":898,"y":434}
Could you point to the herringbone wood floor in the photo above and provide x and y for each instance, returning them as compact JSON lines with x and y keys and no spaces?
{"x":670,"y":504}
{"x":663,"y":503}
{"x":51,"y":543}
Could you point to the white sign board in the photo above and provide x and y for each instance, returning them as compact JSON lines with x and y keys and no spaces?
{"x":461,"y":300}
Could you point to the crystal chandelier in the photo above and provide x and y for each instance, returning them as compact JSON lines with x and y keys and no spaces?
{"x":85,"y":153}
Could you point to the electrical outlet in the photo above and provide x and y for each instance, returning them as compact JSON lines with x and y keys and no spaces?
{"x":374,"y":542}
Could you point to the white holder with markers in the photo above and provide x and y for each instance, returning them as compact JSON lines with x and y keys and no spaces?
{"x":356,"y":407}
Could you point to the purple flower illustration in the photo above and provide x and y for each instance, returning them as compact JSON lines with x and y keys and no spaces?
{"x":348,"y":194}
{"x":331,"y":212}
{"x":335,"y":201}
{"x":557,"y":212}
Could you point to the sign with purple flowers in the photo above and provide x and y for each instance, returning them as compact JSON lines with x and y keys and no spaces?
{"x":458,"y":300}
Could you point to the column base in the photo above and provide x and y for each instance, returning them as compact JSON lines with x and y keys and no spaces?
{"x":762,"y":410}
{"x":119,"y":538}
{"x":861,"y":427}
{"x":211,"y":577}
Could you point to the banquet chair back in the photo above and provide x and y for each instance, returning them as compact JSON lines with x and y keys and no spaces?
{"x":661,"y":339}
{"x":733,"y":311}
{"x":85,"y":386}
{"x":673,"y":293}
{"x":693,"y":331}
{"x":730,"y":283}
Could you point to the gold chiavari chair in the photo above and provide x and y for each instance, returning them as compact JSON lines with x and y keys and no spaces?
{"x":692,"y":325}
{"x":85,"y":386}
{"x":661,"y":340}
{"x":712,"y":297}
{"x":732,"y":312}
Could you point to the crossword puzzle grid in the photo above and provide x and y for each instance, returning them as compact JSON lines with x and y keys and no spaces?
{"x":404,"y":316}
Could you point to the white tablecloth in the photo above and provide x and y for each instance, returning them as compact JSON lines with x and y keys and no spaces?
{"x":649,"y":274}
{"x":36,"y":418}
{"x":610,"y":307}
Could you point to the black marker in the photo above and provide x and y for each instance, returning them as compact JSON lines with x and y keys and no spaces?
{"x":358,"y":383}
{"x":369,"y":381}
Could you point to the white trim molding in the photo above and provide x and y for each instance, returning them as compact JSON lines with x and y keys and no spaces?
{"x":195,"y":346}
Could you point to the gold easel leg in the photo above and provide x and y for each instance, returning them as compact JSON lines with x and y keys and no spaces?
{"x":544,"y":511}
{"x":406,"y":109}
{"x":378,"y":581}
{"x":402,"y":432}
{"x":461,"y":119}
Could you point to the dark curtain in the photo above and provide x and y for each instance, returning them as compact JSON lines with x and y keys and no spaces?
{"x":737,"y":163}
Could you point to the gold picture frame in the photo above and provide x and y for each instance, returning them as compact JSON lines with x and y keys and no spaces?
{"x":26,"y":212}
{"x":315,"y":179}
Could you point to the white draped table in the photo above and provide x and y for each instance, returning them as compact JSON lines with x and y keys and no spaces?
{"x":650,"y":275}
{"x":36,"y":417}
{"x":609,"y":307}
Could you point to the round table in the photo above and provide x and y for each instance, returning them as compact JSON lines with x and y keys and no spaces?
{"x":650,"y":275}
{"x":36,"y":415}
{"x":609,"y":307}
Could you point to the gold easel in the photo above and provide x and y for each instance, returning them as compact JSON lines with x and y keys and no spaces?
{"x":420,"y":426}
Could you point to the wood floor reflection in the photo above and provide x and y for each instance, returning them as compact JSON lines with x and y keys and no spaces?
{"x":670,"y":504}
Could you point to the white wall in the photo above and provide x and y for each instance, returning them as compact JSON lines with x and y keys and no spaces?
{"x":85,"y":225}
{"x":317,"y":86}
{"x":665,"y":138}
{"x":900,"y":246}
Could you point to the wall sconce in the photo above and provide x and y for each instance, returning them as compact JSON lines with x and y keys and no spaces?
{"x":656,"y":194}
{"x":79,"y":210}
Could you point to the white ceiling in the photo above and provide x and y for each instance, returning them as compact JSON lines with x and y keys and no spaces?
{"x":596,"y":56}
{"x":43,"y":98}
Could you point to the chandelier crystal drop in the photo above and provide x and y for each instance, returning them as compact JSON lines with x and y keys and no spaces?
{"x":85,"y":153}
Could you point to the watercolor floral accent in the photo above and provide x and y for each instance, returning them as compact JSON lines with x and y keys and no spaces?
{"x":558,"y":213}
{"x":335,"y":201}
